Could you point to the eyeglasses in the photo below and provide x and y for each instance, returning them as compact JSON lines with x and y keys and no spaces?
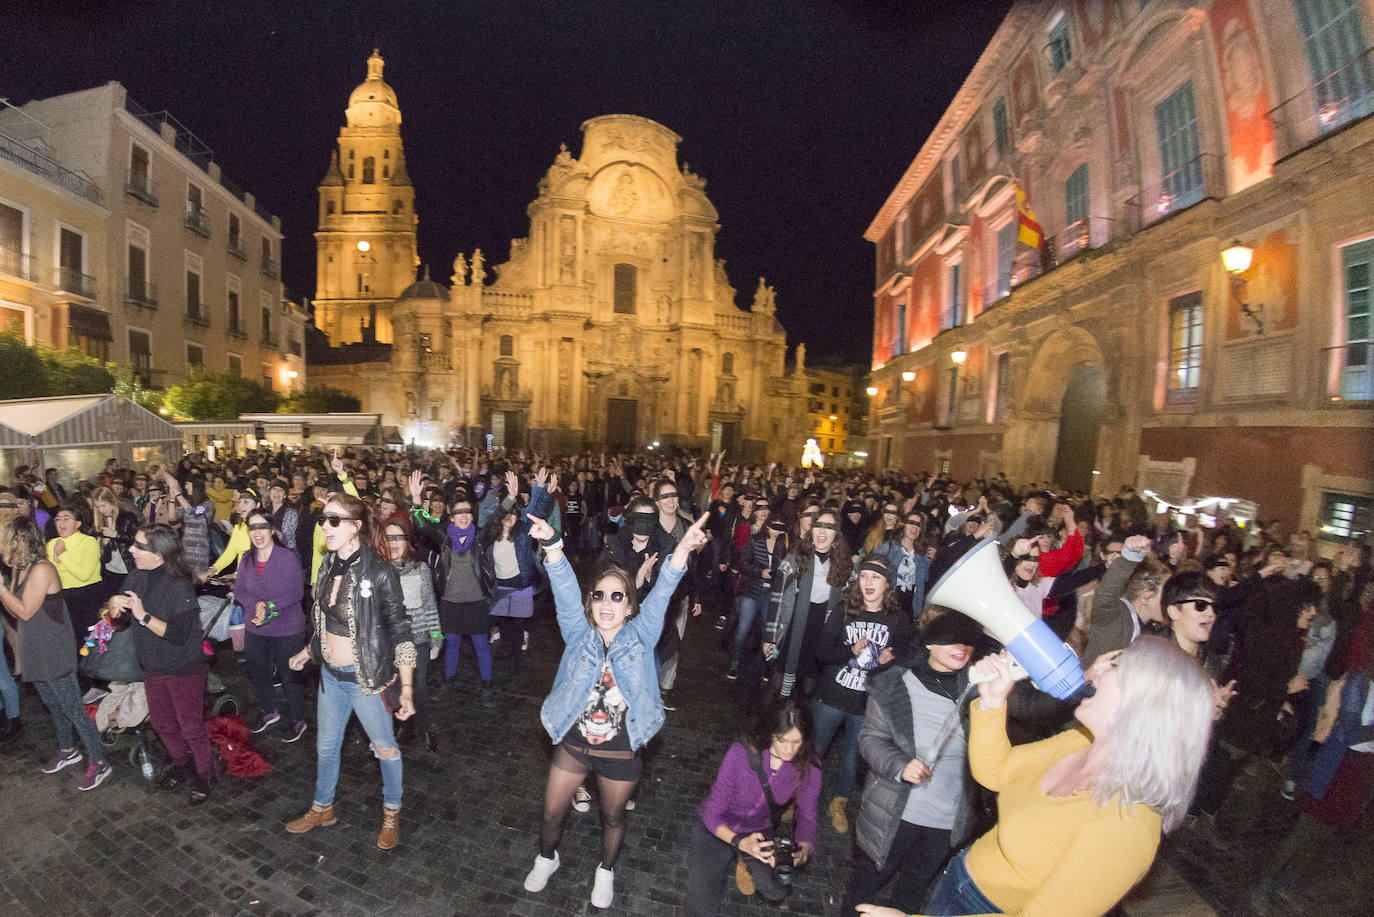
{"x":396,"y":538}
{"x":333,"y":521}
{"x":615,"y":598}
{"x":260,"y":527}
{"x":667,"y":496}
{"x":1199,"y":604}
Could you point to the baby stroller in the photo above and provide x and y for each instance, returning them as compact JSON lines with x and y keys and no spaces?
{"x":121,"y":708}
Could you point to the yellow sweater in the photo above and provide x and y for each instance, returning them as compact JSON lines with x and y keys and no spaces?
{"x":1053,"y":856}
{"x":238,"y":543}
{"x":80,"y":563}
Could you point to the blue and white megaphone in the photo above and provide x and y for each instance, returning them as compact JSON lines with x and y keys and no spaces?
{"x":977,"y":587}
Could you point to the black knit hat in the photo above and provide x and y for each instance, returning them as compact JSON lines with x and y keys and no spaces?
{"x":952,"y":627}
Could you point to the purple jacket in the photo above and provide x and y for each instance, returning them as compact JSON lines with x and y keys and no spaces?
{"x":736,"y":798}
{"x":280,"y":582}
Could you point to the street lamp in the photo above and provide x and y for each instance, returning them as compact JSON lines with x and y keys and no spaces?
{"x":958,"y":357}
{"x":1237,"y":257}
{"x":908,"y":376}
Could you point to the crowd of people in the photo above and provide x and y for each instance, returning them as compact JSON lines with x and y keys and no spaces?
{"x":1209,"y":644}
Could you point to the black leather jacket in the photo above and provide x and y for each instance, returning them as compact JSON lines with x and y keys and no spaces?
{"x":381,"y":629}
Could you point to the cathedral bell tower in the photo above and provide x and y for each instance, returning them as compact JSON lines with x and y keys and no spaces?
{"x":365,"y":248}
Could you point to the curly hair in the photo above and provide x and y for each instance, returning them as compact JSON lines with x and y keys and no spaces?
{"x":21,"y":544}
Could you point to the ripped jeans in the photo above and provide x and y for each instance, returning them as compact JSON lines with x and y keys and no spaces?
{"x":338,"y":700}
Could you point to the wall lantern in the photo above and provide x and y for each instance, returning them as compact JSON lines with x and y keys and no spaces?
{"x":364,"y":245}
{"x":958,"y":357}
{"x":872,"y":391}
{"x":908,"y":376}
{"x":1237,"y":258}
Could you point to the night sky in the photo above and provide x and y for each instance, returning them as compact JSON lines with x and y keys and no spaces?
{"x":800,"y":114}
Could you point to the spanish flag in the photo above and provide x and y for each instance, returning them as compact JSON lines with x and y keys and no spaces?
{"x":1028,"y":231}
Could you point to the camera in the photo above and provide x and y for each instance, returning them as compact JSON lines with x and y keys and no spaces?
{"x":783,"y":858}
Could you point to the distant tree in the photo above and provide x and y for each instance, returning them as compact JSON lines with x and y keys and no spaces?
{"x":207,"y":396}
{"x":320,"y":399}
{"x":71,"y":372}
{"x":129,"y":384}
{"x":24,"y":374}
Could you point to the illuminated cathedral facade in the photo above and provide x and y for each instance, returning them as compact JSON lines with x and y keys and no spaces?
{"x":611,"y":325}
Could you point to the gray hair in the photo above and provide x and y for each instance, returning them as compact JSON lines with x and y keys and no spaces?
{"x":1160,"y":732}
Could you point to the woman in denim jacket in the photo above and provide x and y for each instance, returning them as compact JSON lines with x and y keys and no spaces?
{"x":605,"y":704}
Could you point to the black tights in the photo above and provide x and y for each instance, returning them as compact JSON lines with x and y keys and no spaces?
{"x":565,"y":776}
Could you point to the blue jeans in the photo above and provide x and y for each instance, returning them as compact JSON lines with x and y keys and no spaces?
{"x":62,"y":697}
{"x":828,"y":721}
{"x":337,"y":701}
{"x":956,"y":892}
{"x":9,"y":691}
{"x":748,"y":610}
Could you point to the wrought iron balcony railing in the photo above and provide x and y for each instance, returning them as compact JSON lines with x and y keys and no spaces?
{"x":36,"y":162}
{"x":235,"y":250}
{"x":15,"y":263}
{"x":73,"y":281}
{"x":1344,"y":96}
{"x":141,"y":293}
{"x":196,"y":221}
{"x":1199,"y":179}
{"x":269,"y":268}
{"x":142,"y":190}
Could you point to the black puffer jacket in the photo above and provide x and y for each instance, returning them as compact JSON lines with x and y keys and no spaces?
{"x":381,"y":628}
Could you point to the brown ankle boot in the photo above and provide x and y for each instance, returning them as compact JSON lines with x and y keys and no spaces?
{"x":317,"y":816}
{"x":391,"y":828}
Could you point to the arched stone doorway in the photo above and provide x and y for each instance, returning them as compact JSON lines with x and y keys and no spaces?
{"x":1080,"y":421}
{"x":1032,"y":441}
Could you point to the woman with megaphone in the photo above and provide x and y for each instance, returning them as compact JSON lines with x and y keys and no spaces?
{"x":1080,"y":814}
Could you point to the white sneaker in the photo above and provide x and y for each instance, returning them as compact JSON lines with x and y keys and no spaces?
{"x":630,"y":804}
{"x":603,"y":889}
{"x":525,"y":641}
{"x":582,"y":800}
{"x":538,"y":876}
{"x":494,"y":636}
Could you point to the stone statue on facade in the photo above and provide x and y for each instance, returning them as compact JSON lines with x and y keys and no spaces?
{"x":459,"y":278}
{"x":479,"y":273}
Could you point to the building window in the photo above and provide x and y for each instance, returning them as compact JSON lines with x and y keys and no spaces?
{"x":141,"y":355}
{"x":1076,"y":198}
{"x":899,"y":327}
{"x":1002,"y":394}
{"x":427,"y":342}
{"x":1000,"y":282}
{"x":235,"y":327}
{"x":329,"y":207}
{"x":235,"y":365}
{"x":1342,"y":76}
{"x":195,"y":357}
{"x":386,"y":171}
{"x":397,"y":207}
{"x":350,"y":170}
{"x":140,"y":169}
{"x":956,"y":180}
{"x":195,"y":210}
{"x":1060,"y":50}
{"x":507,"y":346}
{"x":136,"y":263}
{"x":1180,"y":150}
{"x":902,"y":240}
{"x":71,"y":263}
{"x":954,"y":310}
{"x":266,"y":325}
{"x":1185,"y":346}
{"x":269,"y":378}
{"x":1357,"y":369}
{"x":953,"y":403}
{"x":434,"y":412}
{"x":727,"y":364}
{"x":235,"y":230}
{"x":369,"y":168}
{"x":1001,"y":130}
{"x":194,"y":311}
{"x":625,"y":277}
{"x":1345,"y":517}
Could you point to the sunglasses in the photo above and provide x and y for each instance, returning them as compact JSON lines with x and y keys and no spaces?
{"x":829,"y":526}
{"x":615,"y":598}
{"x":333,"y":521}
{"x":395,"y":538}
{"x":260,"y":527}
{"x":1199,"y":604}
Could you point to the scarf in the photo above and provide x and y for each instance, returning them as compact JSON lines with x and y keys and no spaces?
{"x":460,"y":539}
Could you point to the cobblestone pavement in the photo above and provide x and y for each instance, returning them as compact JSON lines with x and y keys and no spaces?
{"x":468,"y":826}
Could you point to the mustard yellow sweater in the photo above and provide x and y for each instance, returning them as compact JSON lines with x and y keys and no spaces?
{"x":1052,"y":856}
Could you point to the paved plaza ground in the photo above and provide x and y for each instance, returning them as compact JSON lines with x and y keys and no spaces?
{"x":470,"y":820}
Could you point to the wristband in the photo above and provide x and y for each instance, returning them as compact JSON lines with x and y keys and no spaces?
{"x":739,"y":836}
{"x":552,"y":543}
